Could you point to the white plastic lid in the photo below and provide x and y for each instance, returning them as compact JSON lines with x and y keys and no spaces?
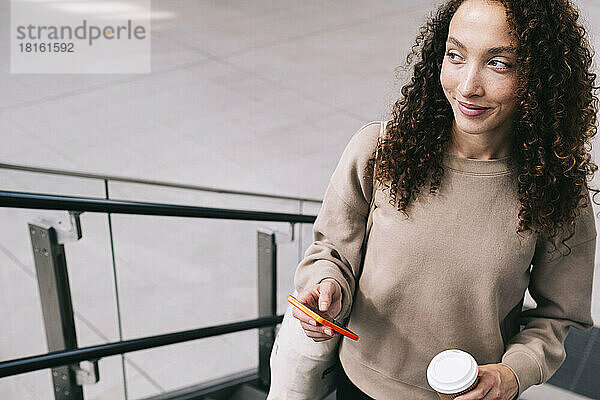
{"x":452,"y":371}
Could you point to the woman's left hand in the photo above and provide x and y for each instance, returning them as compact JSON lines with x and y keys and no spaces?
{"x":496,"y":382}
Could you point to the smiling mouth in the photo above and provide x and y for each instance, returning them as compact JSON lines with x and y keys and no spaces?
{"x":472,"y":107}
{"x":470,"y":112}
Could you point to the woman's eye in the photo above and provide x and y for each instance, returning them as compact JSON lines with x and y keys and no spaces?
{"x":451,"y":56}
{"x":502,"y":65}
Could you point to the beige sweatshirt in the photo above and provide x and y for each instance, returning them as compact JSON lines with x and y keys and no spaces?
{"x":446,"y":277}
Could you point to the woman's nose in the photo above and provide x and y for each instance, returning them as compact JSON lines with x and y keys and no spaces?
{"x":471,"y":82}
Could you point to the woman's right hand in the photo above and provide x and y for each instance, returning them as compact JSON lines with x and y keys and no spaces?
{"x":325,"y":297}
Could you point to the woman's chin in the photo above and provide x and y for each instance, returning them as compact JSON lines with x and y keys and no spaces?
{"x":473,"y":129}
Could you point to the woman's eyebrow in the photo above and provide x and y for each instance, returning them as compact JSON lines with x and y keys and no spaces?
{"x":493,"y":50}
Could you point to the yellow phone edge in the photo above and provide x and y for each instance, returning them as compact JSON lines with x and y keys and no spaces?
{"x":305,"y":309}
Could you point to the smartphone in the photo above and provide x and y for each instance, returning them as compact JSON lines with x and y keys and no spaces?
{"x":321,"y":319}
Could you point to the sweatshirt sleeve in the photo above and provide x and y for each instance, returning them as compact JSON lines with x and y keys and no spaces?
{"x":340,"y":226}
{"x":561,"y":285}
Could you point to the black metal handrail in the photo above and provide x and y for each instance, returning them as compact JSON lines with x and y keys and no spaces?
{"x":76,"y":203}
{"x":115,"y":178}
{"x":59,"y":358}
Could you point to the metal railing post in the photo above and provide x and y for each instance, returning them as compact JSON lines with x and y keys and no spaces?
{"x":57,"y":307}
{"x":267,"y":304}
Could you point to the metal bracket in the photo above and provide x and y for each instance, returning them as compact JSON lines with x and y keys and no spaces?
{"x":57,"y":306}
{"x":72,"y":233}
{"x":267,"y":295}
{"x":87,"y":372}
{"x":279,"y":234}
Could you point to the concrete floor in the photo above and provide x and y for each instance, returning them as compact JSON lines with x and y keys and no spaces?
{"x":246,"y":95}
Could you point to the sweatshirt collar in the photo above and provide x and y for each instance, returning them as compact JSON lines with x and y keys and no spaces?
{"x":479,"y":167}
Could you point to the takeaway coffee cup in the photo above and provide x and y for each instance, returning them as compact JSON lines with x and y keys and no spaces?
{"x":452,"y":373}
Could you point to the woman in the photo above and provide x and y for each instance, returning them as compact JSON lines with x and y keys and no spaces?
{"x":496,"y":123}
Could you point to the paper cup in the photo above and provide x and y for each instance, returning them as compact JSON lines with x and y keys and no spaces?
{"x":452,"y":373}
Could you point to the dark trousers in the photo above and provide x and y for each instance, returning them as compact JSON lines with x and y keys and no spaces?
{"x":346,"y":389}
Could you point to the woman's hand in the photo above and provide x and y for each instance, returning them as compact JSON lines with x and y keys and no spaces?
{"x":325,"y":297}
{"x":496,"y":382}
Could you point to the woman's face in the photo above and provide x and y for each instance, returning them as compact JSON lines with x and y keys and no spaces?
{"x":478,"y":71}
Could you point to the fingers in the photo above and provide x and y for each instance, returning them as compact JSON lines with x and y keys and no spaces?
{"x":325,"y":295}
{"x":327,"y":289}
{"x":302,"y":317}
{"x":480,"y":392}
{"x":318,"y":332}
{"x":313,"y":329}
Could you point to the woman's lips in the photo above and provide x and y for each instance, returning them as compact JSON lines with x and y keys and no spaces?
{"x":471,"y":112}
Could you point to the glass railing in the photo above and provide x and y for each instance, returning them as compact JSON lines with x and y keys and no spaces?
{"x":140,"y":270}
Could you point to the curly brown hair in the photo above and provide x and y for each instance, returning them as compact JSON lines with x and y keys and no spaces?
{"x":553,"y":125}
